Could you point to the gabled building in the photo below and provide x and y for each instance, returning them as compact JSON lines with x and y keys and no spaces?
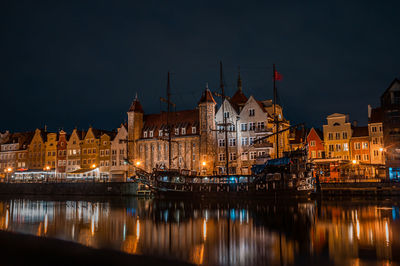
{"x":118,"y":165}
{"x":359,"y":145}
{"x":247,"y":120}
{"x":14,"y":151}
{"x":36,"y":150}
{"x":390,"y":104}
{"x":337,"y":134}
{"x":105,"y":153}
{"x":74,"y":150}
{"x":62,"y":154}
{"x":51,"y":151}
{"x":375,"y":130}
{"x":315,"y":141}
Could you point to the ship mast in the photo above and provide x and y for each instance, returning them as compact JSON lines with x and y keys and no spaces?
{"x":276,"y":121}
{"x":224,"y":117}
{"x":168,"y":130}
{"x":168,"y":126}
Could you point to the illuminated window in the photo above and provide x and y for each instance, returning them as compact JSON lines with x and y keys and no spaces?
{"x":193,"y":130}
{"x":345,"y":146}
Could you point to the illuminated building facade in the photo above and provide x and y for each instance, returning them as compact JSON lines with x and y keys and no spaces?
{"x":337,"y":134}
{"x":316,"y":149}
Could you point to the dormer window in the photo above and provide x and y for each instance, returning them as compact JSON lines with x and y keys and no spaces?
{"x":160,"y":133}
{"x":226,"y":115}
{"x":176,"y":131}
{"x":252,"y":112}
{"x":193,"y":130}
{"x":183,"y":131}
{"x":151,"y":134}
{"x":145,"y":134}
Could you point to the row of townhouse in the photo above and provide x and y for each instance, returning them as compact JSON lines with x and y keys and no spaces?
{"x":376,"y":145}
{"x":92,"y":153}
{"x":198,"y":141}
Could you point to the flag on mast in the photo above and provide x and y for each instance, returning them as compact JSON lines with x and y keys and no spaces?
{"x":277,"y":76}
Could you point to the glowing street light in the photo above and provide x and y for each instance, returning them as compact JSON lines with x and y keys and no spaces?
{"x":381,"y":149}
{"x":9,"y":169}
{"x":47,"y":168}
{"x":138,"y":163}
{"x":203,"y":163}
{"x":93,"y":165}
{"x":354,"y":161}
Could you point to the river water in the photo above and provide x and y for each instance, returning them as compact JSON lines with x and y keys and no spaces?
{"x":233,"y":232}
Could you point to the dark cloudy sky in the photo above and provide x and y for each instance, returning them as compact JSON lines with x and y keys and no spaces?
{"x":80,"y":63}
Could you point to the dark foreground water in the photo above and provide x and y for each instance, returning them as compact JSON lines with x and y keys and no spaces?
{"x":218,"y":233}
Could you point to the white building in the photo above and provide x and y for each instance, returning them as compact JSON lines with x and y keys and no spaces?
{"x":118,"y":167}
{"x":247,"y":120}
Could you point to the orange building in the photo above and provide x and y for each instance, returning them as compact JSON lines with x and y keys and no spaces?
{"x":360,"y":152}
{"x":316,"y":149}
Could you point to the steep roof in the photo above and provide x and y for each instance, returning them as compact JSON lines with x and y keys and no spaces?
{"x":180,"y":119}
{"x":319,"y":133}
{"x":206,"y":97}
{"x":23,"y":138}
{"x":239,"y":98}
{"x":360,"y":132}
{"x":376,"y":115}
{"x":390,"y":86}
{"x":99,"y":132}
{"x":136,"y":106}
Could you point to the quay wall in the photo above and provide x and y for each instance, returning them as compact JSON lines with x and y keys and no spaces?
{"x":82,"y":189}
{"x":360,"y":189}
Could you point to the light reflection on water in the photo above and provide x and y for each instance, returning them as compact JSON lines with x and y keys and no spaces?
{"x":228,"y":233}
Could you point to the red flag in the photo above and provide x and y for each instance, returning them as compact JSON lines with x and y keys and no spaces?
{"x":278,"y":75}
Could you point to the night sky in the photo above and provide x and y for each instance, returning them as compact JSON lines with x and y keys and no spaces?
{"x":69,"y":64}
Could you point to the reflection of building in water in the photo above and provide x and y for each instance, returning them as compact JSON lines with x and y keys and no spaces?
{"x":362,"y":232}
{"x":201,"y":236}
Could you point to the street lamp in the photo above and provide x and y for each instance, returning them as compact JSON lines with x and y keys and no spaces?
{"x":203,"y":163}
{"x":8,"y":171}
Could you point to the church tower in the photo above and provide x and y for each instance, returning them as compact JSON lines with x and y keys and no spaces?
{"x":207,"y":132}
{"x":135,"y":126}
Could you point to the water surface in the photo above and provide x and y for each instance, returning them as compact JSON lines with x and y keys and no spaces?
{"x":218,"y":233}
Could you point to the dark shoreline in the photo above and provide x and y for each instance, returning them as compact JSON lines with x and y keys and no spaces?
{"x":22,"y":249}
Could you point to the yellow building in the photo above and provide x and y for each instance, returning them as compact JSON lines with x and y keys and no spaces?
{"x":337,"y":134}
{"x":104,"y":154}
{"x":74,"y":150}
{"x":50,"y":151}
{"x":36,"y":150}
{"x":284,"y":142}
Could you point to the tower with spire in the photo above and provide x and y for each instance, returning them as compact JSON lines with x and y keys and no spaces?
{"x":135,"y":126}
{"x":207,"y":131}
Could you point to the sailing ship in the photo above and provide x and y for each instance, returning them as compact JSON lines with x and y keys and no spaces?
{"x":289,"y":175}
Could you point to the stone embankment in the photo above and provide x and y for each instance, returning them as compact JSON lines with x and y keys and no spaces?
{"x":81,"y":188}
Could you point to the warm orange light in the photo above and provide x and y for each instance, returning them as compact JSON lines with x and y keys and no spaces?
{"x":380,"y":149}
{"x":354,"y":161}
{"x":137,"y":163}
{"x":203,"y":163}
{"x":9,"y":169}
{"x":47,"y":167}
{"x":93,"y":165}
